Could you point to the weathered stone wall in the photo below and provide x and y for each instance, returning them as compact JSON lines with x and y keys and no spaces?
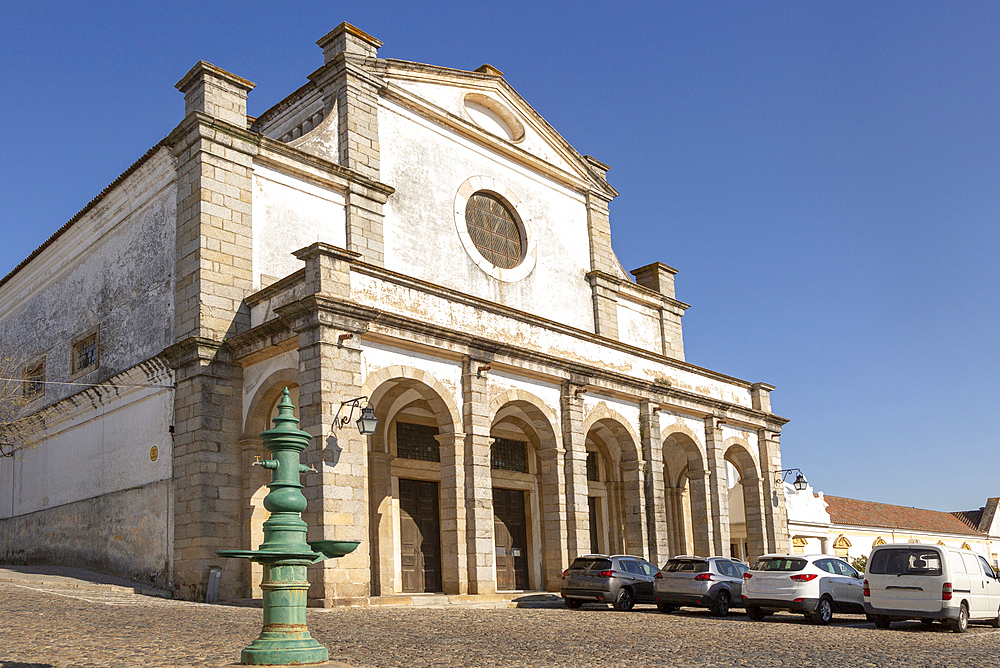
{"x":126,"y":534}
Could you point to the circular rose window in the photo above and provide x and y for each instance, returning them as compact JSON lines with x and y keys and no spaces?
{"x":493,"y":230}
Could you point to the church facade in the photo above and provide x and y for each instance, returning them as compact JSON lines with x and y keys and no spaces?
{"x":414,"y":238}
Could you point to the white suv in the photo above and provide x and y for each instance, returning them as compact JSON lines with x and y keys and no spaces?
{"x":816,"y":585}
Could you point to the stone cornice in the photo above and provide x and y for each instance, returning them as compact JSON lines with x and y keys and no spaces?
{"x":194,"y":349}
{"x":288,"y":159}
{"x":184,"y":135}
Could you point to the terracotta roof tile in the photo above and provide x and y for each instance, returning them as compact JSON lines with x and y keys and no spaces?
{"x":971,"y":517}
{"x":869,"y":513}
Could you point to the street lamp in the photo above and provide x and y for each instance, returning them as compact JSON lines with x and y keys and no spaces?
{"x":367,"y":423}
{"x":800,"y":483}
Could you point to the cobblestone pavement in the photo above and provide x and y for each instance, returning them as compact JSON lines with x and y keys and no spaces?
{"x":55,"y":626}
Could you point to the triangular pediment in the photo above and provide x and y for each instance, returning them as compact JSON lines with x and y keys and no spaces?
{"x":484,"y":107}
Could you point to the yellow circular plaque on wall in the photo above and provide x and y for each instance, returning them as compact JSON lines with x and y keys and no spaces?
{"x":153,"y":453}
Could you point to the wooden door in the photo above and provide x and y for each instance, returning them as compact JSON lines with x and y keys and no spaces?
{"x":511,"y":532}
{"x":420,"y":536}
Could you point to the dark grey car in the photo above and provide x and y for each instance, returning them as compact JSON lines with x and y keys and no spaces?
{"x":715,"y":583}
{"x":621,"y":580}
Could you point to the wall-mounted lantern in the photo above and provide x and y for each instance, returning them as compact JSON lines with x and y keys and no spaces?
{"x":800,"y":483}
{"x":367,"y":423}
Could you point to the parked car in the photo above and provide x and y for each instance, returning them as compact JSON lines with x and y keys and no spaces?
{"x":929,"y":583}
{"x":815,"y":585}
{"x":715,"y":583}
{"x":621,"y":580}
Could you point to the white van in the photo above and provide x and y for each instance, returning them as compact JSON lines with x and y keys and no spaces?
{"x":930,"y":582}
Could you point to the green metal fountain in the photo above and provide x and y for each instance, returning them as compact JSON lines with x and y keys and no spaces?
{"x":285,"y":552}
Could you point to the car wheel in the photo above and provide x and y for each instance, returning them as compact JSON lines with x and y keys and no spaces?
{"x":755,"y":613}
{"x":665,"y":607}
{"x":624,"y":600}
{"x":824,"y":612}
{"x":720,"y":606}
{"x":882,"y":622}
{"x":961,"y":624}
{"x":574,"y":603}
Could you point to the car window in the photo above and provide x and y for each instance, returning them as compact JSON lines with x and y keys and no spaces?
{"x":905,"y":561}
{"x":631,"y":566}
{"x":648,"y":568}
{"x":828,"y":566}
{"x":779,"y":564}
{"x":845,"y":568}
{"x":590,"y":564}
{"x":725,"y":568}
{"x":987,"y":568}
{"x":686,"y":566}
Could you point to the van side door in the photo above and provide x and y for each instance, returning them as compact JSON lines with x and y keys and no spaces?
{"x":992,"y":588}
{"x":978,"y":598}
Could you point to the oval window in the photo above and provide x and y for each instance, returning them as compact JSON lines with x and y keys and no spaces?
{"x":494,"y":230}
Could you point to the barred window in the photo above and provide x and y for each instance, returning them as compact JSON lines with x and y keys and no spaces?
{"x":416,"y":441}
{"x":493,"y":230}
{"x":34,"y":380}
{"x":592,"y":466}
{"x":85,"y":353}
{"x":509,"y":455}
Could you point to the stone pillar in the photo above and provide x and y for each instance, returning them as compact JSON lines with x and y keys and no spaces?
{"x":653,"y":483}
{"x":481,"y":553}
{"x":605,"y":289}
{"x":701,"y":514}
{"x":382,"y":534}
{"x":553,"y":508}
{"x":773,"y":491}
{"x":634,"y":502}
{"x":575,"y":463}
{"x":660,"y":277}
{"x":718,"y":492}
{"x":350,"y":85}
{"x":330,"y":373}
{"x":454,"y":541}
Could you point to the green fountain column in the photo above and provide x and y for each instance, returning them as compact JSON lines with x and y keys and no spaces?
{"x":285,"y":553}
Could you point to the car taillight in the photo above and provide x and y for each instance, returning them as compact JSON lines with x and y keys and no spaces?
{"x":703,"y":576}
{"x":867,"y":591}
{"x":946,"y":591}
{"x":565,"y":572}
{"x":606,"y":574}
{"x":747,"y":575}
{"x":805,"y":577}
{"x":659,"y":575}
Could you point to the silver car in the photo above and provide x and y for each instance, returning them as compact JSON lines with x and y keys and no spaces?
{"x":715,"y":583}
{"x":621,"y":580}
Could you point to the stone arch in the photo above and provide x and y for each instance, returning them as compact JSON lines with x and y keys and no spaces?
{"x":687,"y":496}
{"x":737,"y":451}
{"x":619,"y":503}
{"x":521,"y":415}
{"x":403,"y":394}
{"x":264,"y":398}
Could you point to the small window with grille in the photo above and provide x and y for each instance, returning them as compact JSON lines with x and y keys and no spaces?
{"x":86,"y":353}
{"x":34,"y":380}
{"x":592,"y":466}
{"x":509,"y":455}
{"x":416,"y":441}
{"x":494,"y":230}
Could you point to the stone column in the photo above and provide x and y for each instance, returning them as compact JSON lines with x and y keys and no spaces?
{"x":350,"y":86}
{"x":481,"y":553}
{"x":775,"y":518}
{"x":605,"y":289}
{"x":330,"y":373}
{"x":553,"y":508}
{"x":382,"y":530}
{"x":575,"y":463}
{"x":454,"y":541}
{"x":660,"y":277}
{"x":701,"y":514}
{"x":653,"y":483}
{"x":634,"y":501}
{"x":718,"y":491}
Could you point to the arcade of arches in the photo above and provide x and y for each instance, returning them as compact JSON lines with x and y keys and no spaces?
{"x":481,"y":488}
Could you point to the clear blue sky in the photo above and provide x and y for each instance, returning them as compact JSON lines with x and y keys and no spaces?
{"x":825,"y":175}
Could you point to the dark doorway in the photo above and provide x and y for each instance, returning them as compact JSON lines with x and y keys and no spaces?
{"x":420,"y":536}
{"x":594,"y":545}
{"x":510,"y":529}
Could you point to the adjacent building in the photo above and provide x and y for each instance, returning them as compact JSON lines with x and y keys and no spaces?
{"x":414,"y":237}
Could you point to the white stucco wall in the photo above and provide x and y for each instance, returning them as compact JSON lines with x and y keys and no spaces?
{"x":639,"y":326}
{"x":288,"y":214}
{"x":448,"y":373}
{"x":427,"y":164}
{"x":98,"y":448}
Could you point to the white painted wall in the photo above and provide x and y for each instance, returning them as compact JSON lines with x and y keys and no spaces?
{"x":99,"y":448}
{"x":288,"y":214}
{"x":427,"y":164}
{"x":639,"y":326}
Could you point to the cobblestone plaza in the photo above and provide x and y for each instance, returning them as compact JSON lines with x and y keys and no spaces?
{"x":61,"y":624}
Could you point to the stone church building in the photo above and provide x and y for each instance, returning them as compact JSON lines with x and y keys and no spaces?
{"x":411,"y":235}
